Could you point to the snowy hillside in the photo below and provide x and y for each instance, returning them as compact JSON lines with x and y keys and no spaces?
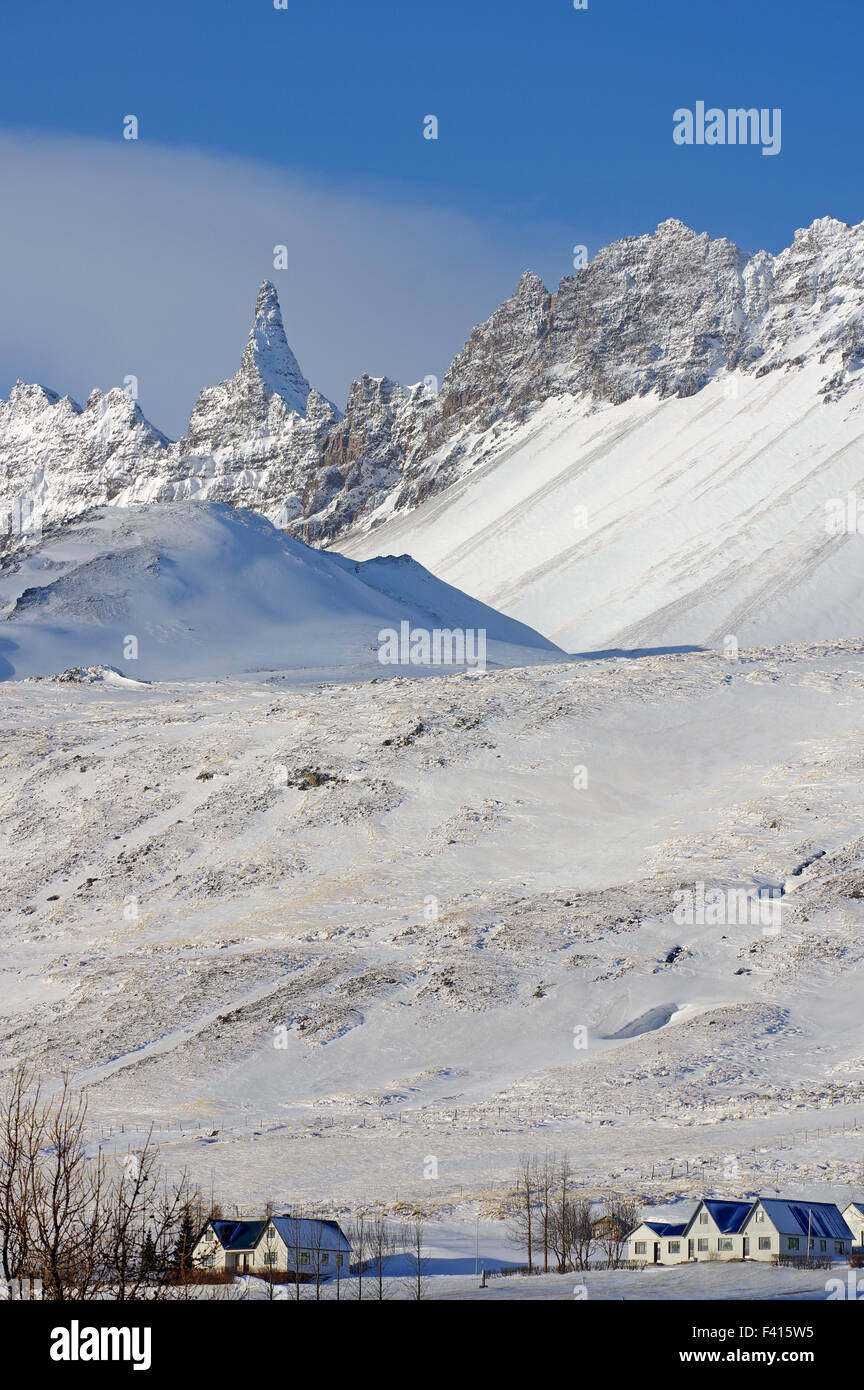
{"x":656,"y":523}
{"x":204,"y":590}
{"x":328,"y":978}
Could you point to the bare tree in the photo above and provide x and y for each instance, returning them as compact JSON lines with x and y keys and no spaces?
{"x":580,"y":1233}
{"x":143,"y":1227}
{"x":22,"y":1120}
{"x":546,"y":1175}
{"x":412,"y":1236}
{"x":294,"y":1235}
{"x":358,"y":1235}
{"x":382,"y":1246}
{"x":564,"y":1175}
{"x":620,"y":1217}
{"x":522,"y":1219}
{"x":67,"y":1203}
{"x":63,"y":1217}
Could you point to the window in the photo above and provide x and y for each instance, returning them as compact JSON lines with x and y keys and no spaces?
{"x":339,"y":1258}
{"x":304,"y":1257}
{"x":823,"y":1245}
{"x":638,"y":1248}
{"x":269,"y":1257}
{"x":674,"y":1247}
{"x":760,"y":1216}
{"x":764,"y":1242}
{"x":724,"y":1243}
{"x":838,"y":1247}
{"x":702,"y":1243}
{"x":703,"y":1218}
{"x":325,"y":1258}
{"x":793,"y":1243}
{"x":208,"y":1262}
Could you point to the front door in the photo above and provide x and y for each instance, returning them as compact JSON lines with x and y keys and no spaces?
{"x":746,"y":1247}
{"x":656,"y":1252}
{"x":689,"y":1249}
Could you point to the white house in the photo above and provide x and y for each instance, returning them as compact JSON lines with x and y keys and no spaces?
{"x":795,"y":1228}
{"x":286,"y":1244}
{"x":764,"y":1229}
{"x":658,"y":1243}
{"x":714,"y":1231}
{"x":854,"y":1218}
{"x":300,"y":1244}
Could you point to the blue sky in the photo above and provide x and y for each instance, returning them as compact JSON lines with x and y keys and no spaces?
{"x":555,"y":128}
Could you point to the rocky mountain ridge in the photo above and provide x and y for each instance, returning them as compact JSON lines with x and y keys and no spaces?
{"x":665,"y":313}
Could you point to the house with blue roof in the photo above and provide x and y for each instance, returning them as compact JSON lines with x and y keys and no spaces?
{"x":814,"y":1230}
{"x":286,"y":1244}
{"x":301,"y":1245}
{"x":657,"y":1242}
{"x":764,"y":1229}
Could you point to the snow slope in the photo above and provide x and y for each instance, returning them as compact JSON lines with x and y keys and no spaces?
{"x":657,"y":522}
{"x":430,"y":919}
{"x":207,"y":591}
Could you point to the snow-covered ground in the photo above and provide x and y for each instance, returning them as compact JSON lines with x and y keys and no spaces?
{"x":706,"y":1281}
{"x":335,"y":931}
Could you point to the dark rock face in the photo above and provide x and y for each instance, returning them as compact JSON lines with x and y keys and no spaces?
{"x":663,"y":313}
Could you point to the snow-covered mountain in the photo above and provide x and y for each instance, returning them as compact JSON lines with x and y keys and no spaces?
{"x":694,"y":405}
{"x":657,"y":523}
{"x":206,"y":590}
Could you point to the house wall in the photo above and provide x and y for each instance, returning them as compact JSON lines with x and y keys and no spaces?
{"x":667,"y":1256}
{"x":855,"y":1221}
{"x":641,"y":1234}
{"x":718,"y":1245}
{"x":289,"y":1257}
{"x":763,"y":1230}
{"x":823,"y":1247}
{"x":205,"y":1248}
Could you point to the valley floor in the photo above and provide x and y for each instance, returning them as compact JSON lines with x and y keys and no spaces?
{"x":369,"y":943}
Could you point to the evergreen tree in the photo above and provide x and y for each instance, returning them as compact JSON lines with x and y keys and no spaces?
{"x":181,"y":1258}
{"x":149,"y":1257}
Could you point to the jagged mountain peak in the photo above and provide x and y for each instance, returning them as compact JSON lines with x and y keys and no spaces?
{"x":269,"y":354}
{"x":822,"y":228}
{"x":673,"y":226}
{"x":529,"y":284}
{"x":266,"y":397}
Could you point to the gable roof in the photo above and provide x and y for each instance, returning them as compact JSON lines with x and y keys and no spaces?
{"x":803,"y":1218}
{"x":664,"y":1228}
{"x":307,"y":1233}
{"x":856,"y":1206}
{"x":728,"y":1217}
{"x":237,"y":1235}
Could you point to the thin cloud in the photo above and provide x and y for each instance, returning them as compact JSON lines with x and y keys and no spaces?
{"x":121,"y":259}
